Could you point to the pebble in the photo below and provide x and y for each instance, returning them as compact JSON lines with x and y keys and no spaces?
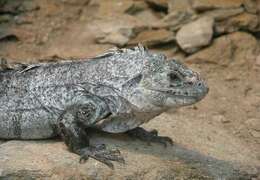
{"x":221,"y":118}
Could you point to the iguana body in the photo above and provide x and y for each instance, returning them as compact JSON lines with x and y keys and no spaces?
{"x":115,"y":92}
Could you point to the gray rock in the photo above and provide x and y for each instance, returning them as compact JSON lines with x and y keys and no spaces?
{"x":191,"y":37}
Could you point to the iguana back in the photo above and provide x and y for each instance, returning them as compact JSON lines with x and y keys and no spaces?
{"x":32,"y":98}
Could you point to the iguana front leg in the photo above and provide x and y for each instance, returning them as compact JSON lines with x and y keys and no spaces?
{"x":149,"y":136}
{"x":72,"y":124}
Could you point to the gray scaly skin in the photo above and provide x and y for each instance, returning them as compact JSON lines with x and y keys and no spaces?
{"x":115,"y":92}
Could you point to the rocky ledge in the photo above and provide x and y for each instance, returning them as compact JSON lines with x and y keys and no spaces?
{"x":50,"y":159}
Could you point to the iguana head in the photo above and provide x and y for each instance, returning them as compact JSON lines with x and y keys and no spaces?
{"x":169,"y":83}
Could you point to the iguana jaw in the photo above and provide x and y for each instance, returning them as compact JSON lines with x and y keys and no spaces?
{"x":188,"y":93}
{"x":188,"y":96}
{"x":177,"y":97}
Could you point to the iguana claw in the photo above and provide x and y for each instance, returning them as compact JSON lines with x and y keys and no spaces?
{"x":149,"y":136}
{"x":101,"y":154}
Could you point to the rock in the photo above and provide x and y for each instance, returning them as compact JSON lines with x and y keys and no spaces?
{"x":17,"y":7}
{"x":250,"y":6}
{"x":255,"y":133}
{"x":113,"y":7}
{"x":137,"y":7}
{"x":117,"y":31}
{"x":231,"y":77}
{"x":76,"y":2}
{"x":52,"y":160}
{"x":191,"y":37}
{"x":203,"y":5}
{"x":28,"y":6}
{"x":153,"y":37}
{"x":114,"y":38}
{"x":179,"y":6}
{"x":175,"y":20}
{"x":8,"y":36}
{"x":235,"y":49}
{"x":243,"y":21}
{"x":223,"y":14}
{"x":4,"y":64}
{"x":147,"y":17}
{"x":10,"y":7}
{"x":221,"y":118}
{"x":5,"y":18}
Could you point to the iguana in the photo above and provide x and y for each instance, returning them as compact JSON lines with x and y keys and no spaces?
{"x":115,"y":92}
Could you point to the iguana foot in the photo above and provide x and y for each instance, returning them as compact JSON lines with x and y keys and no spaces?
{"x":149,"y":136}
{"x":100,"y":153}
{"x":74,"y":133}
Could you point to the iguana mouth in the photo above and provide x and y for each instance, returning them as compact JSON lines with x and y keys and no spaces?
{"x":185,"y":94}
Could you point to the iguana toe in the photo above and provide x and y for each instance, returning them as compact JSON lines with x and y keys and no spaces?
{"x":164,"y":140}
{"x":150,"y":136}
{"x":101,"y":154}
{"x":154,"y":132}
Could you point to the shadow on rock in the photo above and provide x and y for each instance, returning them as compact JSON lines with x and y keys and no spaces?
{"x":215,"y":168}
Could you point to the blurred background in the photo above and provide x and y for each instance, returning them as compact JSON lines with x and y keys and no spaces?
{"x":220,"y":39}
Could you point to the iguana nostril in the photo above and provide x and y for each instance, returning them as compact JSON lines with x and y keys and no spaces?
{"x":190,"y":83}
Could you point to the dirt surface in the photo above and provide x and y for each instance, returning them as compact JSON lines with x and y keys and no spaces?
{"x":224,"y":126}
